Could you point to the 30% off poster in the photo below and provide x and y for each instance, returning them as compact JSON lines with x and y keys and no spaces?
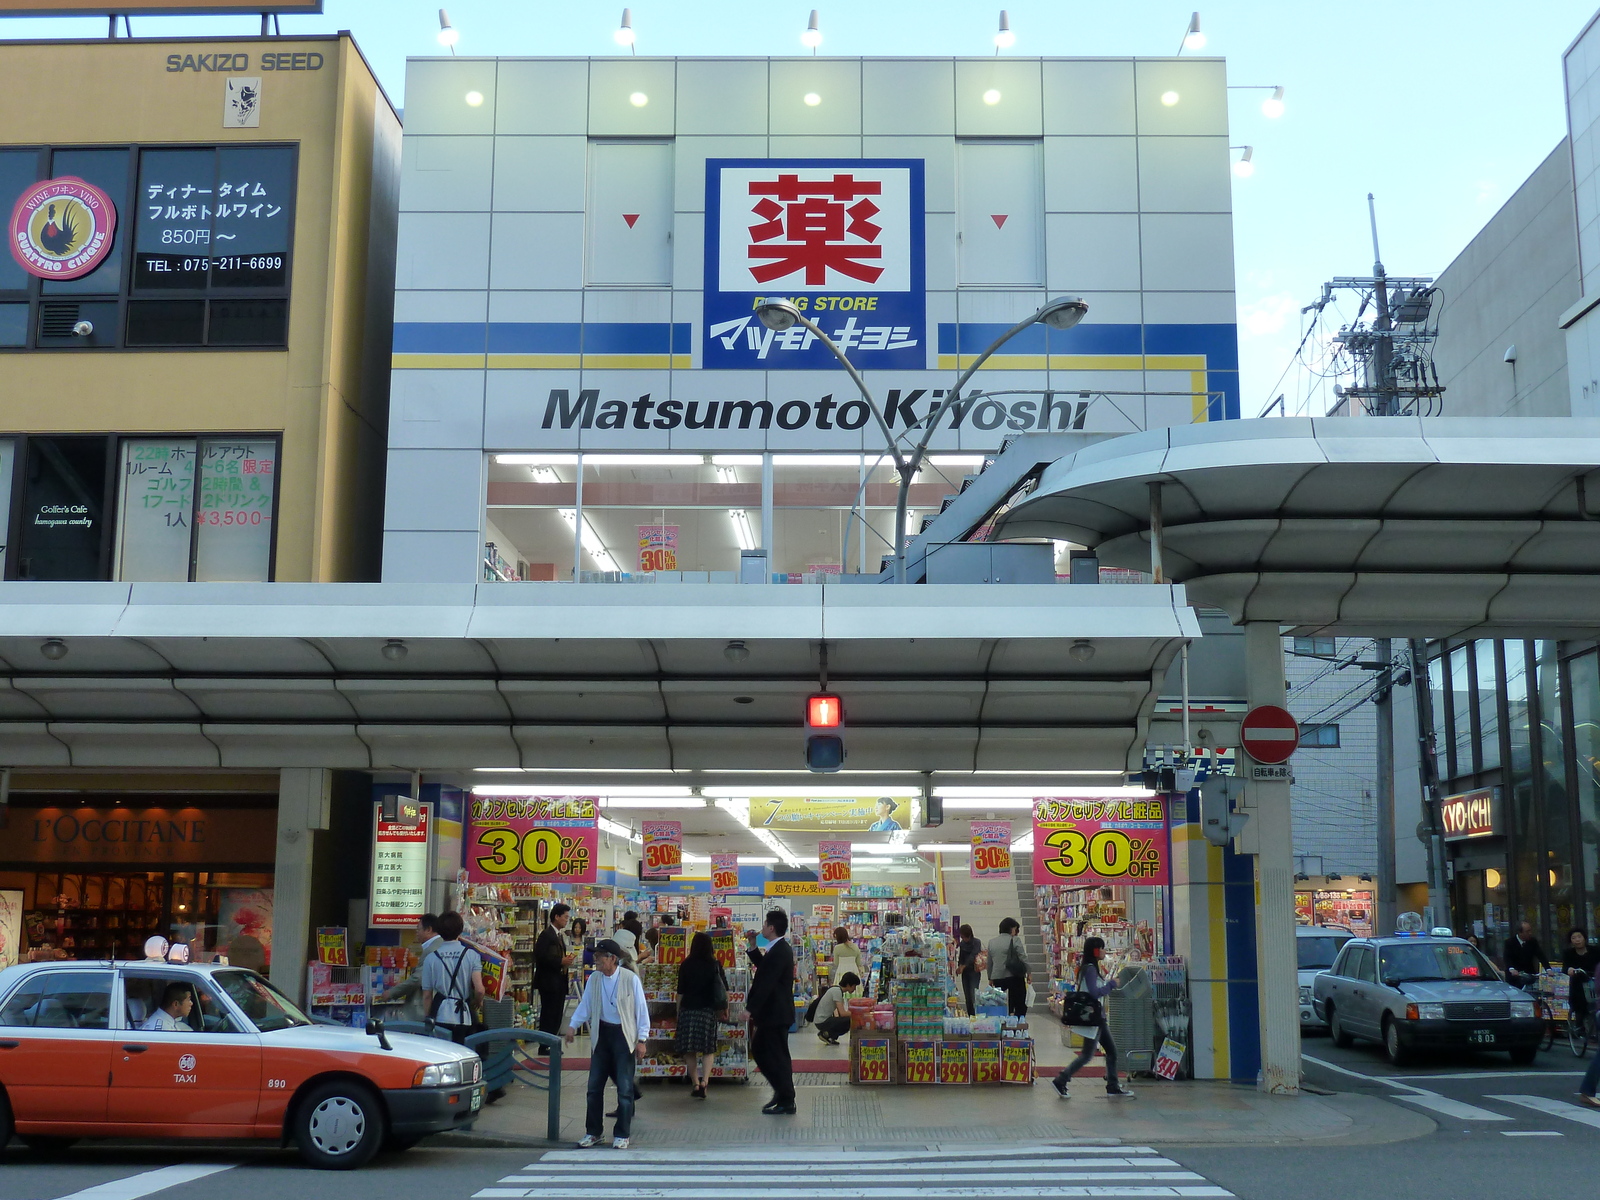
{"x":532,"y":839}
{"x":833,"y":864}
{"x":1094,"y":841}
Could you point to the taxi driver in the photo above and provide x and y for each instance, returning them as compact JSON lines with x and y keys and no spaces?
{"x":173,"y":1015}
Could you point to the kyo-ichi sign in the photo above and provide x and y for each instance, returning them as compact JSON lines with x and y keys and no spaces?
{"x":840,"y":237}
{"x":1100,"y":840}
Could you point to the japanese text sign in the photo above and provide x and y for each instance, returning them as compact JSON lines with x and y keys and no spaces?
{"x":1084,"y":842}
{"x":673,"y":947}
{"x":724,"y":872}
{"x":842,"y":238}
{"x":833,"y":865}
{"x":401,"y":861}
{"x":538,"y":839}
{"x":663,"y":847}
{"x":991,"y":850}
{"x":658,"y":548}
{"x":919,"y":1062}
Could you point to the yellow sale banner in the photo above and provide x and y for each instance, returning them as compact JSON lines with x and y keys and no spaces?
{"x":833,"y":867}
{"x":1097,"y":841}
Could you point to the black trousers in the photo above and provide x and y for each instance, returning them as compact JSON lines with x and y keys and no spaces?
{"x":552,"y":1007}
{"x":1016,"y":994}
{"x":833,"y":1026}
{"x":769,"y":1047}
{"x":969,"y":989}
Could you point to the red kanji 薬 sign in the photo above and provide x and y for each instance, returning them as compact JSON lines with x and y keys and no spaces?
{"x":821,"y":228}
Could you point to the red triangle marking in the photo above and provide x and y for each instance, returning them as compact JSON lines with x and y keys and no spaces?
{"x":999,"y":219}
{"x":630,"y":218}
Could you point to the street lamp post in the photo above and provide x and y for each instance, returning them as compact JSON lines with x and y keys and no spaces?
{"x":1061,"y":313}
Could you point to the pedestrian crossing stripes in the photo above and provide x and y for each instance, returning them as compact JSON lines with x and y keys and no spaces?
{"x":1460,"y":1110}
{"x":878,"y":1174}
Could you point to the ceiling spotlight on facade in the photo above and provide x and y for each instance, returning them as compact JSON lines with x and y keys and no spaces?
{"x":812,"y":99}
{"x":54,"y":649}
{"x":448,"y":34}
{"x":1004,"y":39}
{"x":1169,"y":98}
{"x":624,"y":34}
{"x":1272,"y":106}
{"x":1244,"y":168}
{"x":1082,"y":650}
{"x":812,"y":37}
{"x":638,"y":99}
{"x":736,"y":652}
{"x":1193,"y":39}
{"x":474,"y":99}
{"x":394,"y":650}
{"x":992,"y":97}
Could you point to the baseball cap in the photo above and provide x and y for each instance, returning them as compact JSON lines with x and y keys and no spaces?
{"x":607,"y":946}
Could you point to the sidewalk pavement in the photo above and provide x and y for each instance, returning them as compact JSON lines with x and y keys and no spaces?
{"x":833,"y":1111}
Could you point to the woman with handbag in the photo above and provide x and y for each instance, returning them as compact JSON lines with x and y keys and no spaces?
{"x":702,"y":997}
{"x":1085,"y":1007}
{"x":971,"y":959}
{"x":1008,"y":967}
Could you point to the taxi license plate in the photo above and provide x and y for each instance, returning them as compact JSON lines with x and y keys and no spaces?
{"x":1482,"y":1037}
{"x":477,"y":1099}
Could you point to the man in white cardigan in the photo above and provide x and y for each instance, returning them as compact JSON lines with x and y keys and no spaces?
{"x":614,"y":1005}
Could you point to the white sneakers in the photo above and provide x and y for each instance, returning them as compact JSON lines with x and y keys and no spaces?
{"x":591,"y":1140}
{"x":619,"y":1143}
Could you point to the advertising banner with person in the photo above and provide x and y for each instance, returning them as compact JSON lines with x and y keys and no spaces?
{"x":532,"y":839}
{"x":724,"y":872}
{"x":663,"y":848}
{"x":1093,"y":841}
{"x":832,"y":814}
{"x":833,"y":866}
{"x":991,"y":850}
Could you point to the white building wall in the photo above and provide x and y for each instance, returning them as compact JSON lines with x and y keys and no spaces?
{"x":1334,"y":793}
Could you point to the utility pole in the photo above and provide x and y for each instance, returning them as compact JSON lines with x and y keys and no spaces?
{"x":1386,"y":403}
{"x":1427,"y":767}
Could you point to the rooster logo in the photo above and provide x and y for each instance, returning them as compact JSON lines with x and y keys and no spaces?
{"x":62,"y":228}
{"x":59,"y":237}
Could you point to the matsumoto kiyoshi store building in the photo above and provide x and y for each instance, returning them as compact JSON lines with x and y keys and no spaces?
{"x":582,"y":393}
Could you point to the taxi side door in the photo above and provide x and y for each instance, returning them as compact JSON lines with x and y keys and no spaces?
{"x":55,"y":1050}
{"x":203,"y":1079}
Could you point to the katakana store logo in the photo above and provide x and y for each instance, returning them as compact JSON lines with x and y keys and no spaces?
{"x":842,"y":238}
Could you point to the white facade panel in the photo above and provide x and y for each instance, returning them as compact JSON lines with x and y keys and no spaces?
{"x":446,"y":174}
{"x":904,"y":96}
{"x":725,"y":97}
{"x":542,"y":96}
{"x":539,"y":174}
{"x":1185,"y":174}
{"x":1091,"y":251}
{"x":1187,"y":252}
{"x":632,"y":97}
{"x":999,"y":213}
{"x":1091,"y":174}
{"x":439,"y":94}
{"x":998,"y":97}
{"x":537,"y":250}
{"x":628,"y":232}
{"x":1092,"y":97}
{"x":815,"y":97}
{"x":443,"y":250}
{"x":437,"y":409}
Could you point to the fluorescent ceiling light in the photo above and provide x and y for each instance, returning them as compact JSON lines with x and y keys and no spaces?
{"x":616,"y":830}
{"x":591,"y":541}
{"x":1037,"y":774}
{"x":663,"y":790}
{"x":499,"y":770}
{"x":988,"y":805}
{"x":646,"y":802}
{"x":817,"y":460}
{"x":1028,"y":793}
{"x":955,"y":460}
{"x":819,"y":792}
{"x":742,"y":531}
{"x":873,"y":862}
{"x":644,"y":460}
{"x":736,"y":460}
{"x":945,"y":848}
{"x":727,"y":474}
{"x":536,"y":460}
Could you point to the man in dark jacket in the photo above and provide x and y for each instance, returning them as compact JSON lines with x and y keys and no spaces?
{"x":1524,"y":955}
{"x":771,"y":1008}
{"x":550,"y":963}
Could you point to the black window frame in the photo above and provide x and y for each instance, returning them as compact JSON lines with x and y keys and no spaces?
{"x":111,"y":526}
{"x":125,"y":294}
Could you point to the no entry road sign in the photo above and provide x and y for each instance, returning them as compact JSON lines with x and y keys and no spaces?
{"x":1269,"y":734}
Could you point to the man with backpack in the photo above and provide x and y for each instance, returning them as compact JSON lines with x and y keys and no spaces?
{"x":452,"y":979}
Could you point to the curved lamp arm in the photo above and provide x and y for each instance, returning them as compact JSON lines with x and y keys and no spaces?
{"x":860,"y":383}
{"x":913,"y":464}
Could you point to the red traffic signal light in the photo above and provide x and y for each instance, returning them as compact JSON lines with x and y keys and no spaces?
{"x":824,"y":711}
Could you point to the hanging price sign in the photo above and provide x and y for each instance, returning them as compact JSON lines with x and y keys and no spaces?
{"x":1092,"y":842}
{"x":724,"y":872}
{"x":663,"y":847}
{"x":539,"y":839}
{"x":833,"y":869}
{"x":991,"y":850}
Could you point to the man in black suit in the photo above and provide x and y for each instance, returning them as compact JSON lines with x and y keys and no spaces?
{"x":550,"y":963}
{"x":1524,"y":955}
{"x":771,"y":1008}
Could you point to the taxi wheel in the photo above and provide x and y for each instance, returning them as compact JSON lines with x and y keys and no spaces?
{"x":1398,"y":1054}
{"x":338,"y":1126}
{"x":1336,"y":1031}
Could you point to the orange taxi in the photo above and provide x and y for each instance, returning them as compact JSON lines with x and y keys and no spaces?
{"x":146,"y":1049}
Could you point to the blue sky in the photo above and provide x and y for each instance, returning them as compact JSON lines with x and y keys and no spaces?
{"x":1440,"y":108}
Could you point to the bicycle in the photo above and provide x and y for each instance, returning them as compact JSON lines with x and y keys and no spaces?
{"x":1581,"y":1027}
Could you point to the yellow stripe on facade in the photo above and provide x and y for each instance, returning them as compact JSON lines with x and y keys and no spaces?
{"x":436,"y":362}
{"x":1078,"y":362}
{"x":533,"y":362}
{"x":637,"y":362}
{"x":1200,"y":404}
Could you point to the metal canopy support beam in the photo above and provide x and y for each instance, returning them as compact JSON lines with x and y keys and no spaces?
{"x":1277,"y":983}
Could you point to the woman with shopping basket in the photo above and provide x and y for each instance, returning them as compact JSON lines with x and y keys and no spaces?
{"x":1086,"y":1008}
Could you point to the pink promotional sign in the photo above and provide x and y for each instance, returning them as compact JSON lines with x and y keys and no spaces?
{"x":724,"y":872}
{"x":1089,"y":842}
{"x":991,"y":850}
{"x":833,"y":865}
{"x":532,"y":839}
{"x":663,"y":847}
